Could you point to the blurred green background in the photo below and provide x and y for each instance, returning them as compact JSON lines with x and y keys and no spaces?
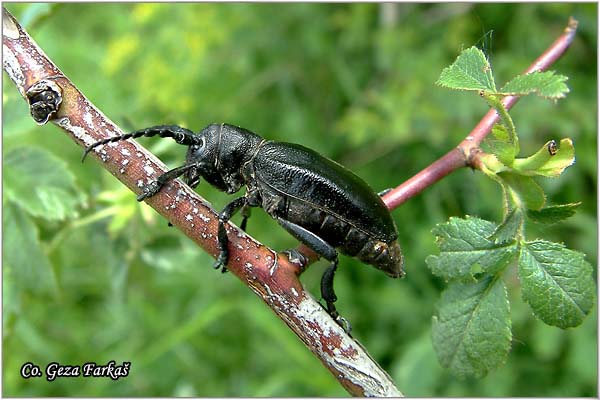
{"x":111,"y":281}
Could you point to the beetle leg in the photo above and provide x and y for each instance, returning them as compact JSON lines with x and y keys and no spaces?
{"x":384,"y":192}
{"x":307,"y":237}
{"x":154,"y":187}
{"x":330,"y":298}
{"x":245,"y":215}
{"x":328,"y":252}
{"x":327,"y":292}
{"x":225,"y":215}
{"x":253,"y":199}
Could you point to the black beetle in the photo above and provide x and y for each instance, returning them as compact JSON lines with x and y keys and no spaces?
{"x":318,"y":201}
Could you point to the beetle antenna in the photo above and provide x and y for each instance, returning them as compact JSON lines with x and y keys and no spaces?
{"x":179,"y":134}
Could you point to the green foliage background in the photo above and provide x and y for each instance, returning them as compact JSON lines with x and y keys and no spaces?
{"x":354,"y":81}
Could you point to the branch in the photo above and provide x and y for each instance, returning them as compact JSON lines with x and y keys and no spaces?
{"x":270,"y":275}
{"x":467,"y":151}
{"x":463,"y":154}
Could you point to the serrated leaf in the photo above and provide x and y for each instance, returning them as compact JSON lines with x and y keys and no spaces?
{"x":501,"y":146}
{"x":508,"y":230}
{"x":471,"y":330}
{"x":41,"y":184}
{"x":528,"y":191}
{"x":553,"y":214}
{"x":465,"y":249}
{"x":470,"y":71}
{"x":23,"y":254}
{"x":556,"y":282}
{"x":544,"y":84}
{"x":547,"y":161}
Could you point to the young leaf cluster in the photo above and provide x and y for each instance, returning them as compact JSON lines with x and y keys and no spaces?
{"x":472,"y":327}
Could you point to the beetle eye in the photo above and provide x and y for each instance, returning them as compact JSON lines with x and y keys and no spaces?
{"x":198,"y":147}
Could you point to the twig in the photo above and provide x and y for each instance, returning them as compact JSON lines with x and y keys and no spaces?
{"x":465,"y":154}
{"x":461,"y":155}
{"x":272,"y":276}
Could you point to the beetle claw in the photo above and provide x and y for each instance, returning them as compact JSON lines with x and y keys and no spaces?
{"x":344,"y":323}
{"x":341,"y":321}
{"x":149,"y":190}
{"x":296,"y":257}
{"x":221,"y":262}
{"x":141,"y":197}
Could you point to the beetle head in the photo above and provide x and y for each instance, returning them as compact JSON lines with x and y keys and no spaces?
{"x":220,"y":152}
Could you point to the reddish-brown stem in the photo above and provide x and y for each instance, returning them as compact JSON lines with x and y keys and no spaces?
{"x":268,"y":274}
{"x":461,"y":156}
{"x":465,"y":154}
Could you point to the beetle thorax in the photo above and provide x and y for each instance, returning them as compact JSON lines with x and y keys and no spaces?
{"x":223,"y":151}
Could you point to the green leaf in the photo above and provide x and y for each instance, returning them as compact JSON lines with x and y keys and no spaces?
{"x":553,"y":214}
{"x":510,"y":227}
{"x":470,"y":71}
{"x":41,"y":184}
{"x":547,"y":161}
{"x":501,"y":146}
{"x":471,"y":330}
{"x":527,"y":190}
{"x":495,"y":101}
{"x":556,"y":282}
{"x":22,"y":253}
{"x":544,"y":84}
{"x":465,"y":249}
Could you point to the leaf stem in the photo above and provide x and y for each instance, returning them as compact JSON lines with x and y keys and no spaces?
{"x":505,"y":117}
{"x":464,"y":154}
